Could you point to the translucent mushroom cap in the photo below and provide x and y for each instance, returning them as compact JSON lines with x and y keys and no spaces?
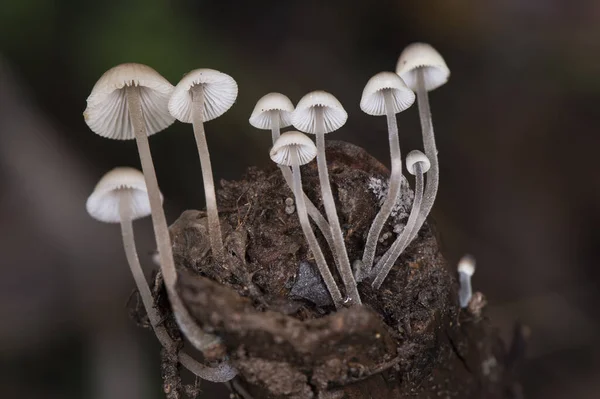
{"x":466,"y":265}
{"x":120,"y":184}
{"x":373,"y":101}
{"x":422,"y":55}
{"x":261,"y":117}
{"x":107,"y":112}
{"x":290,"y":142}
{"x":220,"y":92}
{"x":414,"y":157}
{"x":334,"y":114}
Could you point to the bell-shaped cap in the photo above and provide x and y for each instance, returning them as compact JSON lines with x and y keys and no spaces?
{"x":422,"y":55}
{"x":373,"y":101}
{"x":466,"y":265}
{"x":107,"y":112}
{"x":290,"y":142}
{"x":220,"y":92}
{"x":414,"y":157}
{"x":120,"y":185}
{"x":334,"y":114}
{"x":261,"y":117}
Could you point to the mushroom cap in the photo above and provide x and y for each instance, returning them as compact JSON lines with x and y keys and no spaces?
{"x":107,"y":111}
{"x":334,"y":114}
{"x":466,"y":265}
{"x":261,"y":117}
{"x":373,"y":101}
{"x":422,"y":55}
{"x":417,"y":156}
{"x":118,"y":184}
{"x":293,"y":141}
{"x":220,"y":92}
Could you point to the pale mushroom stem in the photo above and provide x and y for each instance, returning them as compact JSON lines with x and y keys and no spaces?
{"x":383,"y":267}
{"x":433,"y":175}
{"x":195,"y":334}
{"x":394,"y":185}
{"x":207,"y":373}
{"x":312,"y":210}
{"x":214,"y":225}
{"x":343,"y":262}
{"x":310,"y":235}
{"x":465,"y":291}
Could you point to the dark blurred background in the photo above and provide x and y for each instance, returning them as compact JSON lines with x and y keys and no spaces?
{"x":517,"y":132}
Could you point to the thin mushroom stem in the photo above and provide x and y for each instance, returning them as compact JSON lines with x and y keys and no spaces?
{"x":207,"y":373}
{"x":343,"y":262}
{"x":433,"y":175}
{"x":195,"y":334}
{"x":394,"y":186}
{"x":383,"y":267}
{"x":214,"y":225}
{"x":310,"y":235}
{"x":312,"y":210}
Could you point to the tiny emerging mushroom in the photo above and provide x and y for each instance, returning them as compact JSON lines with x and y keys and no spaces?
{"x":423,"y":69}
{"x":466,"y":269}
{"x":295,"y":149}
{"x":203,"y":95}
{"x":121,"y":197}
{"x":274,"y":111}
{"x":417,"y":164}
{"x":319,"y":112}
{"x":386,"y":94}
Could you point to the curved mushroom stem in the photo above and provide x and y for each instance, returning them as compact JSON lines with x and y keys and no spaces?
{"x":394,"y":186}
{"x":383,"y":267}
{"x":338,"y":239}
{"x":312,"y":210}
{"x":214,"y":225}
{"x":310,"y":235}
{"x":207,"y":373}
{"x":199,"y":339}
{"x":433,"y":175}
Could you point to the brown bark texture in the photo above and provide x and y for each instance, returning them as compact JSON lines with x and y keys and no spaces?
{"x":278,"y":326}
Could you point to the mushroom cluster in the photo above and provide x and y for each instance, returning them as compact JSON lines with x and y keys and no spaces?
{"x":133,"y":101}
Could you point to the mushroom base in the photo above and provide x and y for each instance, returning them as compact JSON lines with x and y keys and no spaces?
{"x":409,"y":339}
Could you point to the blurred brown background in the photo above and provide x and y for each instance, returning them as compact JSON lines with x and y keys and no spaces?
{"x":516,"y":129}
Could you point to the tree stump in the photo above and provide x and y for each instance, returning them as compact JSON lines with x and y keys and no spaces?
{"x":278,"y":327}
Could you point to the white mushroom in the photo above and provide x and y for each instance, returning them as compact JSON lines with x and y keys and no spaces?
{"x":466,"y":269}
{"x":295,"y":149}
{"x":417,"y":164}
{"x":423,"y":69}
{"x":386,"y":94}
{"x":203,"y":95}
{"x":274,"y":111}
{"x":121,"y":197}
{"x":319,"y":113}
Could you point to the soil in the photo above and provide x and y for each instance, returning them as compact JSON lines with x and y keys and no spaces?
{"x":278,"y":327}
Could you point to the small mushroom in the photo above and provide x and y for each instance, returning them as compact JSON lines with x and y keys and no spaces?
{"x":295,"y":149}
{"x":319,"y":113}
{"x":274,"y":111}
{"x":121,"y":197}
{"x":423,"y":69}
{"x":417,"y":164}
{"x":466,"y":269}
{"x":386,"y":94}
{"x":203,"y":95}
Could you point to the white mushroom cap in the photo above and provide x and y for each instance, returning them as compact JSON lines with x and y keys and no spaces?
{"x":373,"y":101}
{"x":422,"y":55}
{"x":466,"y":265}
{"x":118,"y":184}
{"x":334,"y":114}
{"x":261,"y":117}
{"x":220,"y":92}
{"x":107,"y":112}
{"x":293,"y":141}
{"x":414,"y":157}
